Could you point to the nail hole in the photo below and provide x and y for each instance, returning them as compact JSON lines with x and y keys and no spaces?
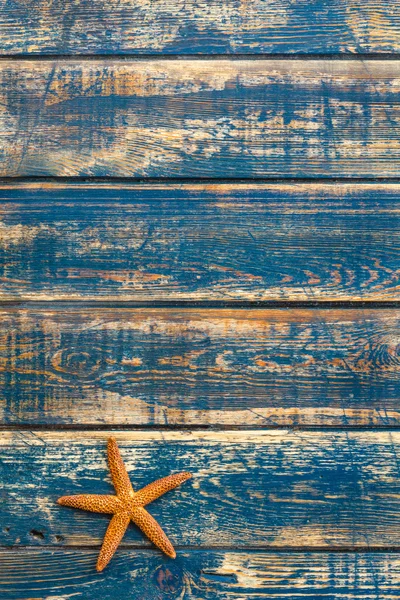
{"x":37,"y":534}
{"x":6,"y":529}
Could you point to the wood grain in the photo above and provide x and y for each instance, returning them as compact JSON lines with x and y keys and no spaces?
{"x":249,"y":488}
{"x":198,"y":575}
{"x":199,"y":118}
{"x":172,"y":27}
{"x":200,"y":242}
{"x":188,"y":26}
{"x":200,"y":367}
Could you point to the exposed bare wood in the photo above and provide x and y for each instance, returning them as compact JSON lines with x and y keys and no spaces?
{"x":189,"y":26}
{"x":200,"y":242}
{"x":203,"y":118}
{"x":249,"y":488}
{"x":199,"y":575}
{"x":199,"y":367}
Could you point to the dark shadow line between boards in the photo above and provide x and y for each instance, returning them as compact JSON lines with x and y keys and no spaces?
{"x":184,"y":56}
{"x":192,"y":180}
{"x":57,"y":304}
{"x":268,"y":549}
{"x":154,"y":427}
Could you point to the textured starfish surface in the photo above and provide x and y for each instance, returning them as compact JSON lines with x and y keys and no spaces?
{"x":126,"y":506}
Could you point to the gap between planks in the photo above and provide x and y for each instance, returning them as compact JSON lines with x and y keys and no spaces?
{"x":266,"y":549}
{"x":388,"y":56}
{"x":110,"y":181}
{"x":56,"y":304}
{"x":188,"y":428}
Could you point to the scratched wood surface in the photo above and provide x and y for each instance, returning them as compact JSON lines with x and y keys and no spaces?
{"x":188,"y":26}
{"x":295,"y":439}
{"x":201,"y":118}
{"x":199,"y":575}
{"x":199,"y":367}
{"x":257,"y":488}
{"x":200,"y":242}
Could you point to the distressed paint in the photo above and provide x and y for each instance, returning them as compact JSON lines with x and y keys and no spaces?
{"x":250,"y":488}
{"x":199,"y":575}
{"x":199,"y":118}
{"x":200,"y":242}
{"x":189,"y":26}
{"x":66,"y":365}
{"x":199,"y":367}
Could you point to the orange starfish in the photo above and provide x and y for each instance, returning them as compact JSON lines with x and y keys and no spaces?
{"x":127,"y":505}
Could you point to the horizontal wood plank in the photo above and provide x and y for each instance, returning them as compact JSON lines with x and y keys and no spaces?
{"x":200,"y":242}
{"x":200,"y":367}
{"x":198,"y":575}
{"x":188,"y":26}
{"x":200,"y":118}
{"x":249,"y":488}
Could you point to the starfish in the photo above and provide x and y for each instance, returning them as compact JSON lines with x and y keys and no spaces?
{"x":127,"y":505}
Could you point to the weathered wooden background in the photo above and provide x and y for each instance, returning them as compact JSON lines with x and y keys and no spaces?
{"x":200,"y":252}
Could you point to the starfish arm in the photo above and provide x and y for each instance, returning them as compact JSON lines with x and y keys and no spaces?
{"x":153,"y":531}
{"x":119,"y":475}
{"x":158,"y":488}
{"x":114,"y":534}
{"x":92,"y":502}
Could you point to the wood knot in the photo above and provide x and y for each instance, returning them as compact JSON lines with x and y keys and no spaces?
{"x":169,"y":579}
{"x":78,"y":363}
{"x":382,"y":354}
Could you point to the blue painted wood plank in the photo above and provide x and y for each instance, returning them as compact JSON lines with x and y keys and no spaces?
{"x":199,"y":367}
{"x":200,"y":242}
{"x":262,"y":489}
{"x":188,"y":26}
{"x":200,"y":118}
{"x":198,"y":575}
